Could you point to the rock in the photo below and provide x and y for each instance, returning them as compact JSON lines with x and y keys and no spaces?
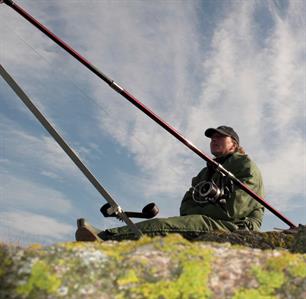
{"x":293,"y":240}
{"x":299,"y":241}
{"x":159,"y":267}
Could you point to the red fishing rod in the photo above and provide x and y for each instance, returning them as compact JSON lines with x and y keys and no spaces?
{"x":145,"y":109}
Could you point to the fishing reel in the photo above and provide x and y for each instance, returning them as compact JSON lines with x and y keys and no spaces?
{"x":206,"y":191}
{"x":148,"y":212}
{"x":210,"y":192}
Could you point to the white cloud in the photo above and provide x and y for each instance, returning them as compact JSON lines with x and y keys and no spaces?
{"x":284,"y":174}
{"x":24,"y":226}
{"x":51,"y":175}
{"x":39,"y":150}
{"x":26,"y":194}
{"x":30,"y":50}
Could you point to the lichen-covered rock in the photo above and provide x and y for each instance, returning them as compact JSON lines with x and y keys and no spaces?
{"x":299,"y":241}
{"x":161,"y":267}
{"x":291,"y":239}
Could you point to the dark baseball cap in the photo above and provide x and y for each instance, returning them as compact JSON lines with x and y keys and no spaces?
{"x":224,"y":130}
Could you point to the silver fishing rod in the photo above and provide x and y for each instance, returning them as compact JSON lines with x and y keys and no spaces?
{"x":114,"y":208}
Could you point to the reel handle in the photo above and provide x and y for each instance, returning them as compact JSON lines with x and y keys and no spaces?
{"x":148,"y":212}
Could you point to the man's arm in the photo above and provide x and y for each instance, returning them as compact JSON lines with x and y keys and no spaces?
{"x":241,"y":205}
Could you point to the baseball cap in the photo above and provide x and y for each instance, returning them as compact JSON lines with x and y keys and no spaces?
{"x":224,"y":130}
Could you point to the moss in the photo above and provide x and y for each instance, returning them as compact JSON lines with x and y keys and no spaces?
{"x":74,"y":245}
{"x":5,"y":262}
{"x":252,"y":294}
{"x":165,"y":244}
{"x":128,"y":278}
{"x":41,"y":279}
{"x":276,"y":276}
{"x":269,"y":281}
{"x":299,"y":244}
{"x":122,"y":248}
{"x":294,"y":265}
{"x":262,"y":240}
{"x":277,"y":239}
{"x":35,"y":247}
{"x":298,"y":270}
{"x":189,"y":281}
{"x":6,"y":266}
{"x":159,"y":267}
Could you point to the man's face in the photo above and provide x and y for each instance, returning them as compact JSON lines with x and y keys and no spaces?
{"x":221,"y":145}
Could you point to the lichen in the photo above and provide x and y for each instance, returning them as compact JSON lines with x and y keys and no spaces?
{"x":299,"y":243}
{"x":159,"y":267}
{"x":266,"y":240}
{"x":269,"y":281}
{"x":190,"y":283}
{"x":298,"y":270}
{"x":35,"y":247}
{"x":189,"y":280}
{"x":252,"y":294}
{"x":128,"y":278}
{"x":5,"y":263}
{"x":41,"y":279}
{"x":277,"y":240}
{"x":275,"y":277}
{"x":292,"y":264}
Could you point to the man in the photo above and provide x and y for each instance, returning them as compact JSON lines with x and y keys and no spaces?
{"x":212,"y":202}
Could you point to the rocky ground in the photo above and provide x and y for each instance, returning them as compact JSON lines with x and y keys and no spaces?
{"x":220,"y":265}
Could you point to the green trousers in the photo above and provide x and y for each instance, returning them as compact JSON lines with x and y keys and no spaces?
{"x":190,"y":226}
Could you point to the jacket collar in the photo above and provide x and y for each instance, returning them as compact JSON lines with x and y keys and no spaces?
{"x":222,"y":159}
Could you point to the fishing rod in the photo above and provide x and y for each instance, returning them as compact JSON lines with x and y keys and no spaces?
{"x":113,"y":208}
{"x":145,"y":109}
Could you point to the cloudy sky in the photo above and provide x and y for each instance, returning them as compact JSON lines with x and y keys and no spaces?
{"x":197,"y":64}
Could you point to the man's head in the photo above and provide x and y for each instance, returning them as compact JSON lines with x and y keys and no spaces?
{"x":224,"y":140}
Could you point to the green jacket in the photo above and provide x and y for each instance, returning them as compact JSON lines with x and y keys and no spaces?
{"x":240,"y":208}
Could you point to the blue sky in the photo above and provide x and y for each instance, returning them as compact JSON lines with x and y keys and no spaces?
{"x":197,"y":64}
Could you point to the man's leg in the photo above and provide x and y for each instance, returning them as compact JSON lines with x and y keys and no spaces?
{"x":190,"y":225}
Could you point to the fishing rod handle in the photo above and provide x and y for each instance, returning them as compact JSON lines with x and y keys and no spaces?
{"x":8,"y":2}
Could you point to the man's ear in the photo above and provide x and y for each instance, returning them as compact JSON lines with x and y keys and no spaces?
{"x":235,"y":145}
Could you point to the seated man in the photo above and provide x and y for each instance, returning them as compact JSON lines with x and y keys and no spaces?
{"x":212,"y":202}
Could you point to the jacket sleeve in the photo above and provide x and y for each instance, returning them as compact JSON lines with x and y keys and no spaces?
{"x":242,"y":206}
